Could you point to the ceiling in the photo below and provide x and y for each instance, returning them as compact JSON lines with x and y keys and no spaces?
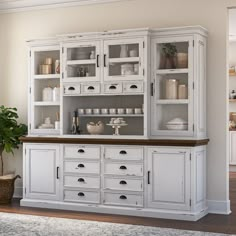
{"x":24,"y":5}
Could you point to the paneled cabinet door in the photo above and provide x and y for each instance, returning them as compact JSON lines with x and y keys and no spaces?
{"x":168,"y":183}
{"x":123,"y":59}
{"x":42,"y":172}
{"x":232,"y":148}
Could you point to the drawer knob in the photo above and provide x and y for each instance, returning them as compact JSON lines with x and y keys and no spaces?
{"x":81,"y":194}
{"x":133,"y":86}
{"x":123,"y":182}
{"x":123,"y":152}
{"x":123,"y":167}
{"x":81,"y":165}
{"x":123,"y":197}
{"x":112,"y":87}
{"x":71,"y":88}
{"x":81,"y":151}
{"x":91,"y":88}
{"x":80,"y":180}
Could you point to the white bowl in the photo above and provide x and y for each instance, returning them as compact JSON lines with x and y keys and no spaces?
{"x":96,"y":111}
{"x":104,"y":111}
{"x":112,"y":110}
{"x":88,"y":111}
{"x":120,"y":110}
{"x":81,"y":111}
{"x":177,"y":126}
{"x":138,"y":110}
{"x":95,"y":128}
{"x":129,"y":111}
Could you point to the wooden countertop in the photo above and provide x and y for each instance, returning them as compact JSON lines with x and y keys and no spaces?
{"x":144,"y":142}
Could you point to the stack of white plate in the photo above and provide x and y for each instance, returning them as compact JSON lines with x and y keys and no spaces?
{"x":177,"y":124}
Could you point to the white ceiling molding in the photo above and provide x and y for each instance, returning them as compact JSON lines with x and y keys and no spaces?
{"x":7,"y":6}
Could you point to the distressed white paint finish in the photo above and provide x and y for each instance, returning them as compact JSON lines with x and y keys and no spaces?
{"x":26,"y":5}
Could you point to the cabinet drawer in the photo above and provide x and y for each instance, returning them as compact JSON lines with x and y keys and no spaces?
{"x":123,"y":169}
{"x":82,"y":167}
{"x":76,"y":151}
{"x":123,"y":184}
{"x":82,"y":181}
{"x":113,"y":88}
{"x":120,"y":153}
{"x":90,"y":88}
{"x":82,"y":196}
{"x":124,"y":199}
{"x":71,"y":89}
{"x":133,"y":87}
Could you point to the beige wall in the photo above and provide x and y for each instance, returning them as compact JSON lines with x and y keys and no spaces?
{"x":16,"y":28}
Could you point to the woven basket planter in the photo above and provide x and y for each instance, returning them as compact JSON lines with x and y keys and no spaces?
{"x":7,"y":189}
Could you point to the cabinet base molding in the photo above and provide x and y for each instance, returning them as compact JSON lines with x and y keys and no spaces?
{"x":141,"y":212}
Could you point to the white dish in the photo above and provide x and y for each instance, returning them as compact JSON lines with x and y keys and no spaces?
{"x":112,"y":110}
{"x":104,"y":111}
{"x":88,"y":111}
{"x":81,"y":111}
{"x":129,"y":111}
{"x":120,"y":110}
{"x":137,"y":110}
{"x":177,"y":126}
{"x":177,"y":121}
{"x":96,"y":111}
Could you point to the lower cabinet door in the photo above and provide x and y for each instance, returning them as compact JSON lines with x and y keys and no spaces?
{"x":42,"y":172}
{"x":168,"y":179}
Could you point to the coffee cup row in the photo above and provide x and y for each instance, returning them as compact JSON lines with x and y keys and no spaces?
{"x":113,"y":111}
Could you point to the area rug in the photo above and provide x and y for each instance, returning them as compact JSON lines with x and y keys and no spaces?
{"x":27,"y":225}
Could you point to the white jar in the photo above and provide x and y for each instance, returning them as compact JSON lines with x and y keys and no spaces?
{"x":47,"y":94}
{"x":56,"y":94}
{"x":182,"y":91}
{"x":171,"y":89}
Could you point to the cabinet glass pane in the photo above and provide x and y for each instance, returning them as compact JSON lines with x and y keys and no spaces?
{"x":81,"y":53}
{"x":172,"y":117}
{"x":172,"y":55}
{"x":82,"y":70}
{"x":44,"y":62}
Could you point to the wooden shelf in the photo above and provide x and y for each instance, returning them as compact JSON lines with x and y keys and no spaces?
{"x":111,"y":115}
{"x":47,"y":103}
{"x":123,"y":59}
{"x":49,"y":76}
{"x":172,"y":101}
{"x":172,"y":71}
{"x":81,"y":62}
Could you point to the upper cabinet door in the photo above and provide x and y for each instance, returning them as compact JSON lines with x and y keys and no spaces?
{"x":123,"y":59}
{"x":172,"y":86}
{"x":81,"y":61}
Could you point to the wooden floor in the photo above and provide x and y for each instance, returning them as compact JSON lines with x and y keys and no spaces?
{"x":210,"y":223}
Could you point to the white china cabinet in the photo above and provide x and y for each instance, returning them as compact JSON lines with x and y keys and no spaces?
{"x":139,"y":98}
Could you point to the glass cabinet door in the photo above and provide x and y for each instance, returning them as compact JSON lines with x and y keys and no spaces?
{"x":123,"y":59}
{"x":81,"y":61}
{"x":172,"y":86}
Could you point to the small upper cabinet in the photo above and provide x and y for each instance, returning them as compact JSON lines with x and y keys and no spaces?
{"x":123,"y":59}
{"x":82,"y":61}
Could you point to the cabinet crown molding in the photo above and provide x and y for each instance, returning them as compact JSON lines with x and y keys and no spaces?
{"x":8,"y":6}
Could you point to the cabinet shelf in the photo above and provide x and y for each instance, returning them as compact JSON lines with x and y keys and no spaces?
{"x":232,"y":74}
{"x":171,"y":71}
{"x":111,"y":115}
{"x":232,"y":100}
{"x":47,"y":103}
{"x":172,"y":101}
{"x":81,"y":62}
{"x":124,"y":59}
{"x":49,"y":76}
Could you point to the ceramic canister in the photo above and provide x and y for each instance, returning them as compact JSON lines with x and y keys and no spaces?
{"x":47,"y":94}
{"x":182,"y":91}
{"x":56,"y":94}
{"x":171,"y":89}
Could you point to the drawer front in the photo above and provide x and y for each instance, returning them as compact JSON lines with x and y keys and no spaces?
{"x":82,"y":181}
{"x":133,"y":87}
{"x":123,"y":169}
{"x":71,"y":89}
{"x":120,"y":153}
{"x":124,"y":199}
{"x":81,"y":196}
{"x":90,"y":88}
{"x":123,"y":184}
{"x":113,"y":88}
{"x":82,"y":167}
{"x":79,"y":151}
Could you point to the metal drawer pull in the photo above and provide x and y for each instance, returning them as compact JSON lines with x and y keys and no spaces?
{"x":81,"y":165}
{"x":148,"y":177}
{"x":81,"y":151}
{"x":104,"y":60}
{"x":71,"y":88}
{"x":133,"y":86}
{"x":91,"y":88}
{"x":80,"y":180}
{"x":58,"y":172}
{"x":81,"y":194}
{"x":97,"y":60}
{"x":112,"y":87}
{"x":123,"y":152}
{"x":123,"y":167}
{"x":123,"y":197}
{"x":123,"y":182}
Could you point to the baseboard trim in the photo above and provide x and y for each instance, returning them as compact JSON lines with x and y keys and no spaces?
{"x":18,"y":193}
{"x":219,"y":207}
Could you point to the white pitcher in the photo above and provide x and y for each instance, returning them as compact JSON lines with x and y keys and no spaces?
{"x":124,"y":50}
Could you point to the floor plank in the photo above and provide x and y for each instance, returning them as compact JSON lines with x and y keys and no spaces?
{"x":210,"y":223}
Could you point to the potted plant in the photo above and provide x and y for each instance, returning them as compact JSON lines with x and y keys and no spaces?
{"x":10,"y":132}
{"x":168,"y":56}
